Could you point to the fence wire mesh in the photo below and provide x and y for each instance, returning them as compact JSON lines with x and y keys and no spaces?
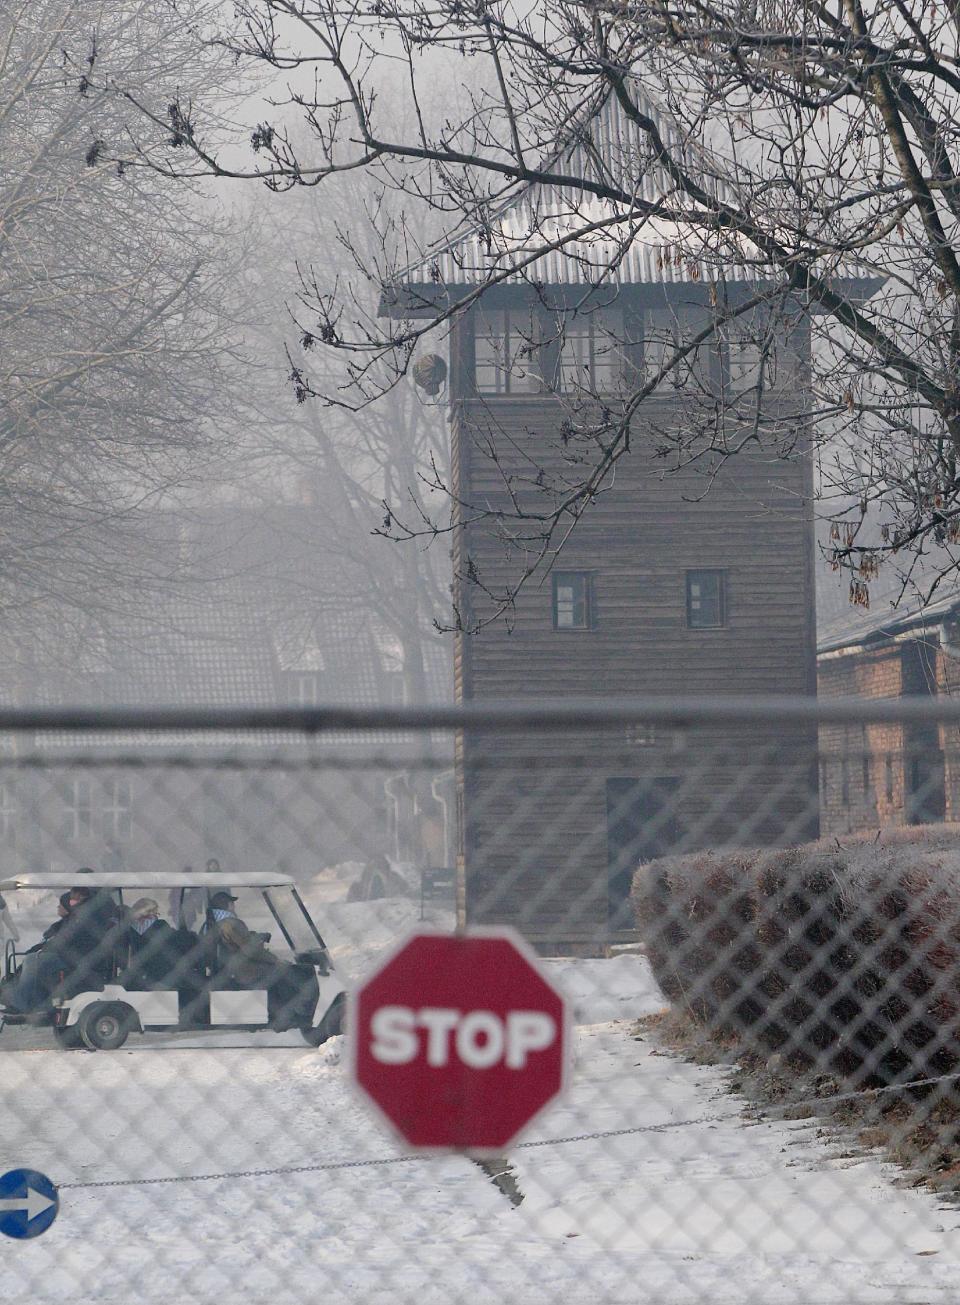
{"x":752,"y":909}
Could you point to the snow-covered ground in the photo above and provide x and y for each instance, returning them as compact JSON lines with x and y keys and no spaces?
{"x":717,"y":1210}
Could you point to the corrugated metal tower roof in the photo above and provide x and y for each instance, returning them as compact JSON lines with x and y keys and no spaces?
{"x":607,"y":146}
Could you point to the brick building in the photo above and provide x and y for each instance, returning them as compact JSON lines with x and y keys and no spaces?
{"x":887,"y":774}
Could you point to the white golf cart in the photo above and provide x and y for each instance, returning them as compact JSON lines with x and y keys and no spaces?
{"x":200,"y":994}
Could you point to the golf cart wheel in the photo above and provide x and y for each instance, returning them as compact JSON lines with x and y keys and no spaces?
{"x":105,"y":1026}
{"x":329,"y":1027}
{"x":67,"y":1037}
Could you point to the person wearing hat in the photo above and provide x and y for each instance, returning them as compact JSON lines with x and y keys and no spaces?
{"x":77,"y":952}
{"x":22,"y":992}
{"x":244,"y":960}
{"x":241,"y":954}
{"x":51,"y":931}
{"x":223,"y":901}
{"x":63,"y":910}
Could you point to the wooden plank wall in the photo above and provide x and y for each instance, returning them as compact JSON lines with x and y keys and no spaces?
{"x":534,"y":849}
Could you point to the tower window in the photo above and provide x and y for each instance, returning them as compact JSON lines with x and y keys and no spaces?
{"x":706,"y":600}
{"x":592,"y":352}
{"x":506,"y":351}
{"x":573,"y":600}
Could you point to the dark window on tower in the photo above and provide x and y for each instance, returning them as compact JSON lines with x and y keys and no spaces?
{"x":587,"y":349}
{"x":507,"y":351}
{"x":573,"y":602}
{"x":668,"y":331}
{"x":706,"y":600}
{"x":590,"y":351}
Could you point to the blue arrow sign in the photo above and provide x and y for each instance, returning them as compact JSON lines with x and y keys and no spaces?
{"x":28,"y":1203}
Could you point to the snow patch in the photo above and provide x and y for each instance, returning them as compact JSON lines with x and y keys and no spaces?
{"x":696,"y":1203}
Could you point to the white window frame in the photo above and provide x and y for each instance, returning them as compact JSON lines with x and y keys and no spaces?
{"x":693,"y":599}
{"x":118,"y":810}
{"x":78,"y":810}
{"x":744,"y":361}
{"x":307,"y":688}
{"x":9,"y":811}
{"x":750,"y":344}
{"x":563,"y":606}
{"x":665,"y":330}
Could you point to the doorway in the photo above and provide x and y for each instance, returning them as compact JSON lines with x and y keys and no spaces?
{"x":641,"y":824}
{"x":926,"y":788}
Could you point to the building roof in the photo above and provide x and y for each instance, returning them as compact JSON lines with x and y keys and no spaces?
{"x":607,"y":146}
{"x":237,"y":642}
{"x":859,"y":627}
{"x":920,"y":591}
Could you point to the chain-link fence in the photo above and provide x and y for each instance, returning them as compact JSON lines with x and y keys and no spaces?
{"x":753,"y":910}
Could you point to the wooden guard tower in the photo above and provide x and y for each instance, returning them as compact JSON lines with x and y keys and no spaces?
{"x":680,"y":580}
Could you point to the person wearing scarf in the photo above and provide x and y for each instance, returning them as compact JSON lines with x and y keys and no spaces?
{"x":244,"y":960}
{"x":153,"y":955}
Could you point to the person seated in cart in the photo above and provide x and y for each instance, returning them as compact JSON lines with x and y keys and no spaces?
{"x":160,"y":956}
{"x":77,"y":953}
{"x":240,"y":958}
{"x":154,"y":955}
{"x":24,"y":983}
{"x":51,"y":931}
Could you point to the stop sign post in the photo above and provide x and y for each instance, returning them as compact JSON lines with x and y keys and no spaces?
{"x":459,"y":1040}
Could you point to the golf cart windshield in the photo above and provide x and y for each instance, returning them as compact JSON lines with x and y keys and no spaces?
{"x":292,"y":919}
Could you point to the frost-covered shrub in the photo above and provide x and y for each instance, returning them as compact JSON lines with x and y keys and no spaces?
{"x":844,"y":955}
{"x":695,"y":915}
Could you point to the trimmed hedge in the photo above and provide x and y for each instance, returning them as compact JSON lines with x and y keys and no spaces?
{"x":844,"y":955}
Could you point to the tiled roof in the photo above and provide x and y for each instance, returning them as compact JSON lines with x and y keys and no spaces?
{"x":244,"y":641}
{"x":190,"y":649}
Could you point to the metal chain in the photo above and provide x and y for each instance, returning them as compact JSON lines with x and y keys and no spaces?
{"x":382,"y":1160}
{"x":242,"y":1173}
{"x":623,"y":1132}
{"x":869,"y":1092}
{"x":598,"y":1135}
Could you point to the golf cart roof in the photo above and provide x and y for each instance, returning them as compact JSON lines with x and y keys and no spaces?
{"x":130,"y":879}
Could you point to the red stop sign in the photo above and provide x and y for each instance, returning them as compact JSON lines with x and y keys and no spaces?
{"x":459,"y":1040}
